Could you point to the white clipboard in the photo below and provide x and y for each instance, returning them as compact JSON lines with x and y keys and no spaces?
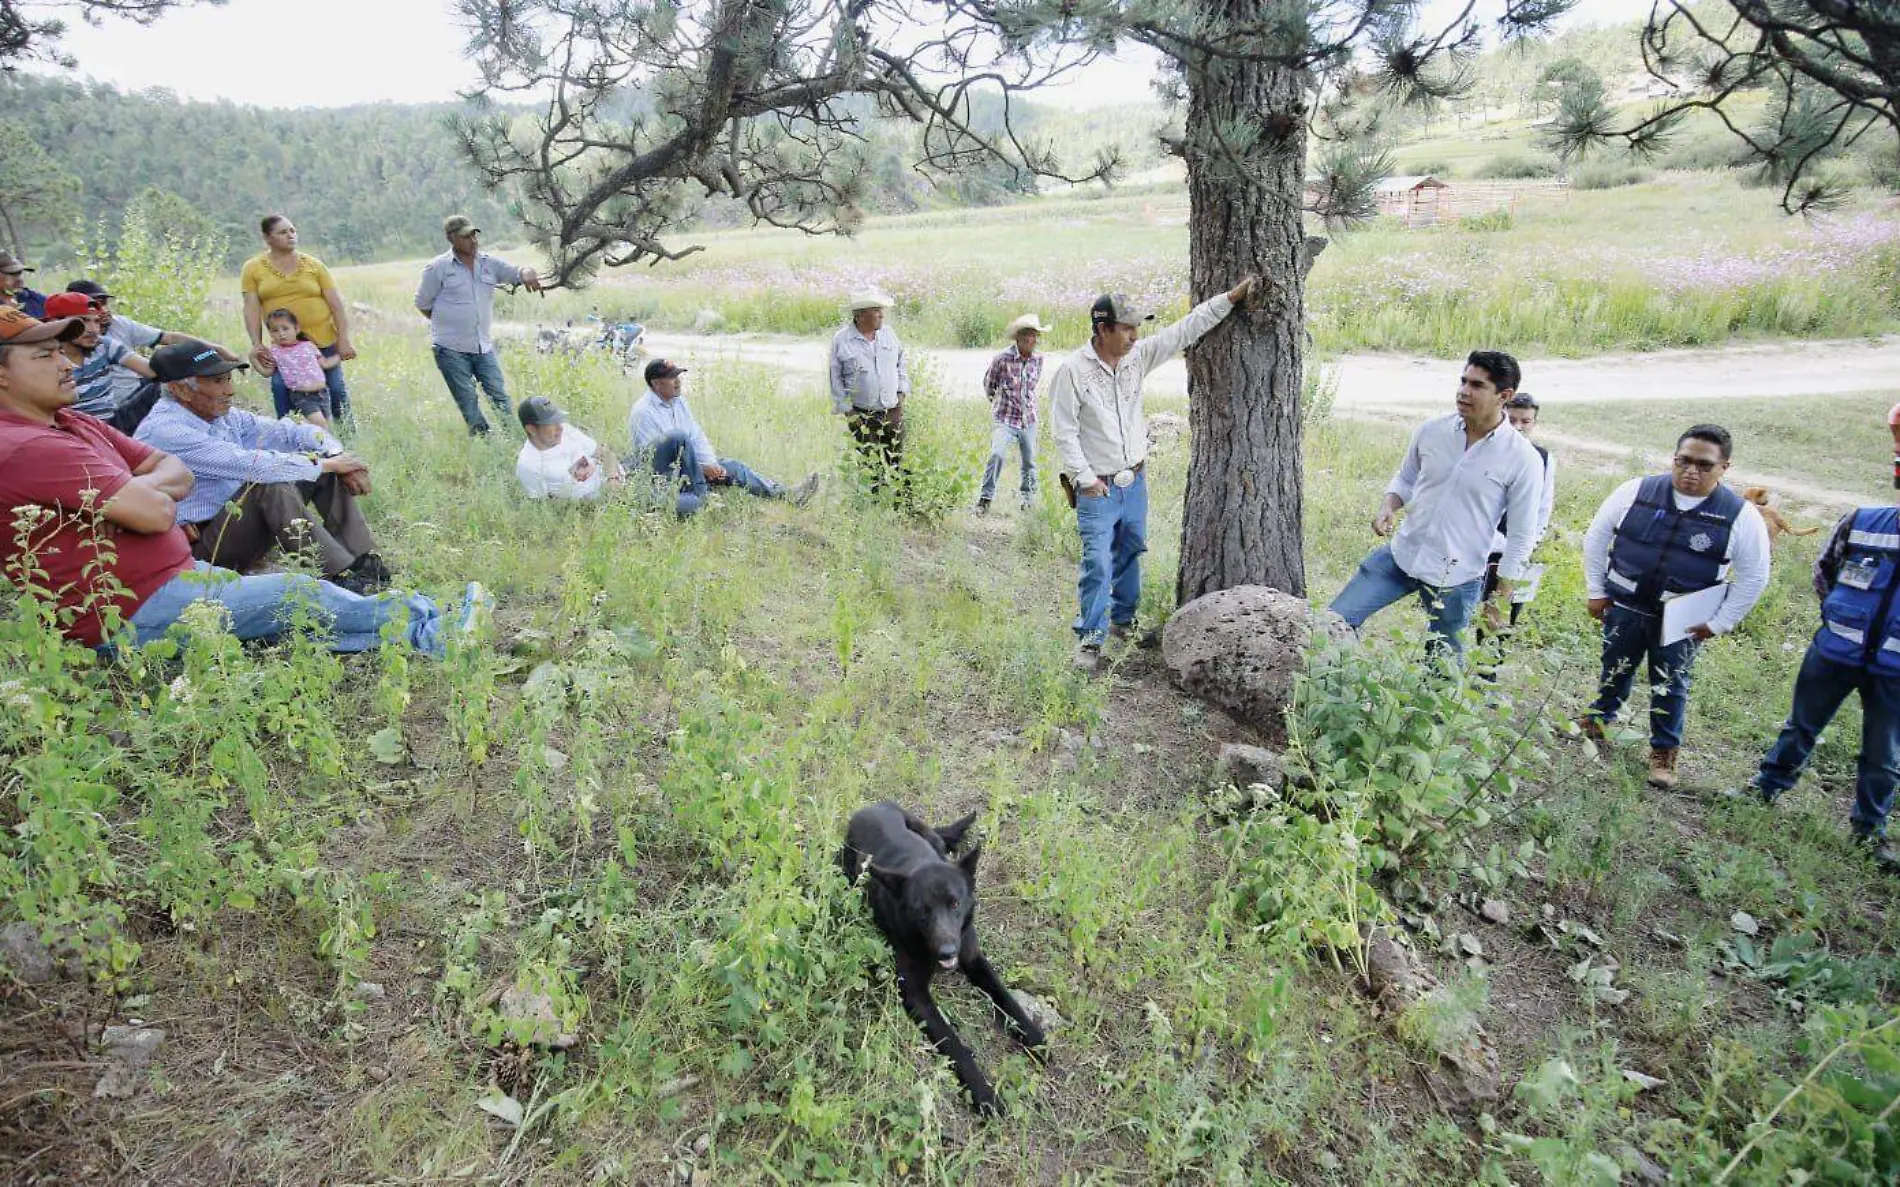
{"x":1524,"y":589}
{"x":1691,"y":609}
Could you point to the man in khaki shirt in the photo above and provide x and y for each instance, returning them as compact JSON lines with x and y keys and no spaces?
{"x":1101,"y":439}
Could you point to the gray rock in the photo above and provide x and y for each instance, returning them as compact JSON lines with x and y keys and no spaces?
{"x":1040,"y":1012}
{"x":1246,"y":766}
{"x":129,"y":1048}
{"x":23,"y":957}
{"x":1495,"y":910}
{"x":531,"y":1013}
{"x":1242,"y":648}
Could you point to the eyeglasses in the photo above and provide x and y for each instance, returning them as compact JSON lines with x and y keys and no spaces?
{"x":1699,"y":465}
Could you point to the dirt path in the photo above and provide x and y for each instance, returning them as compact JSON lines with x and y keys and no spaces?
{"x":1374,"y":380}
{"x":1395,"y":388}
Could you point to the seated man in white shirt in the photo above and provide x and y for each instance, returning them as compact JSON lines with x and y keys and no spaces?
{"x":664,"y":431}
{"x":558,"y":460}
{"x":1461,"y":474}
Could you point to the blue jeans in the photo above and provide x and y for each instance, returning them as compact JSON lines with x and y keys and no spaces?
{"x":262,"y":608}
{"x":461,"y":371}
{"x":1819,"y":690}
{"x":1632,"y":638}
{"x":1001,"y":437}
{"x":1380,"y":582}
{"x":333,"y":380}
{"x":1114,"y":531}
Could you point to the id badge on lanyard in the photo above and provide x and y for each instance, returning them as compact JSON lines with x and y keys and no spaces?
{"x":1860,"y":574}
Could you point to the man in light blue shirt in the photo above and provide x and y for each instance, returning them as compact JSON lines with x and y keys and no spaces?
{"x":254,"y":477}
{"x":869,"y":381}
{"x":664,"y":431}
{"x":457,"y":295}
{"x":1461,"y":474}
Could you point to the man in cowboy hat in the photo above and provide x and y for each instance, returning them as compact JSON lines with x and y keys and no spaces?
{"x":1010,"y":384}
{"x":869,"y":383}
{"x":13,"y":290}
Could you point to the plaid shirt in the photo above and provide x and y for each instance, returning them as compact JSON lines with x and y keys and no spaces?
{"x":1011,"y":388}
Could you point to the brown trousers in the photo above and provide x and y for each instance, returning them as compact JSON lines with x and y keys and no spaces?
{"x":880,"y":439}
{"x":277,"y":514}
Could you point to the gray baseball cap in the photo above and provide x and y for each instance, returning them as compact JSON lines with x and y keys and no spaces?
{"x":1117,"y":308}
{"x":539,"y":410}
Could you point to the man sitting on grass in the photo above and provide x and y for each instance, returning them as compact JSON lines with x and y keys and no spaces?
{"x":106,"y":546}
{"x":662,"y":427}
{"x":558,"y":460}
{"x":259,"y":481}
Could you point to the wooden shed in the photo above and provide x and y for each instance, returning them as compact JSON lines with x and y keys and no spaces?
{"x":1415,"y":199}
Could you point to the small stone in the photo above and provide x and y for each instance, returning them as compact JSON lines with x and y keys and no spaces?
{"x":999,"y":737}
{"x":1745,"y":923}
{"x":1040,"y":1012}
{"x":1246,"y":766}
{"x":702,"y":1144}
{"x":1495,"y":910}
{"x":24,"y":957}
{"x":1469,"y":945}
{"x":378,"y":1074}
{"x":130,"y":1048}
{"x":370,"y":990}
{"x":521,"y":1004}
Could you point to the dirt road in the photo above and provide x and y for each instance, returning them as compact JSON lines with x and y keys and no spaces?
{"x":1388,"y":380}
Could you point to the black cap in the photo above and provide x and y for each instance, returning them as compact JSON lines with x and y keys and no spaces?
{"x":539,"y":410}
{"x":192,"y":359}
{"x":1118,"y":309}
{"x":662,"y":369}
{"x":90,"y":288}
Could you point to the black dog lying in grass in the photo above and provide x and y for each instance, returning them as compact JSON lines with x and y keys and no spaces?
{"x":925,"y":904}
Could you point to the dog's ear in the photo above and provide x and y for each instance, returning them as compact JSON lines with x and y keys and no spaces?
{"x":890,"y":880}
{"x":967,"y":863}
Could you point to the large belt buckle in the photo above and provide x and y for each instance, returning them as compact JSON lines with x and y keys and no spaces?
{"x":1125,"y":478}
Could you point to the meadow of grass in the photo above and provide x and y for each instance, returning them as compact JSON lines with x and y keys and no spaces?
{"x":1688,"y":259}
{"x":627,"y":799}
{"x":1837,"y":442}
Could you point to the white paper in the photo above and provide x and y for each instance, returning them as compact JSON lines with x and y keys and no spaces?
{"x":1691,"y":609}
{"x":1524,"y":589}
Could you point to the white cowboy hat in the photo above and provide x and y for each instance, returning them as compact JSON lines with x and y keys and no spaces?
{"x":1027,"y":321}
{"x":869,"y":299}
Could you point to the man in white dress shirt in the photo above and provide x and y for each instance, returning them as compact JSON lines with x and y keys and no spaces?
{"x":1462,"y":473}
{"x":1658,"y":538}
{"x":869,"y":380}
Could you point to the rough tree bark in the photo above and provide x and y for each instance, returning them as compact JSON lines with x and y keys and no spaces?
{"x":1242,"y":522}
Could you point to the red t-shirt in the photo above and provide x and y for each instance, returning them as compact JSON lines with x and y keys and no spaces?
{"x":71,"y":468}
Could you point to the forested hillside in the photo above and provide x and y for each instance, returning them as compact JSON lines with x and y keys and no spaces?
{"x":364,"y":183}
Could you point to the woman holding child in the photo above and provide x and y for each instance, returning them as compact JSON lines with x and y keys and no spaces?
{"x":282,"y":278}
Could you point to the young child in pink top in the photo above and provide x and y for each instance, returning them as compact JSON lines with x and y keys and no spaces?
{"x":302,"y":366}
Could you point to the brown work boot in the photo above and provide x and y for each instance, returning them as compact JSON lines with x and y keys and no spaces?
{"x":1662,"y":767}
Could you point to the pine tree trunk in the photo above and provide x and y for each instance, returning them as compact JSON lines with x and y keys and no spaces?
{"x":1242,"y":521}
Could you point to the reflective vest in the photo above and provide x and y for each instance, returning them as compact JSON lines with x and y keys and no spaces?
{"x":1660,"y":549}
{"x":1860,"y":625}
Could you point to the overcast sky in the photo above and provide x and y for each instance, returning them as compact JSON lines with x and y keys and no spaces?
{"x":327,"y":53}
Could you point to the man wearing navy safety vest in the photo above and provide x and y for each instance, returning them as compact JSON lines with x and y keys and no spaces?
{"x":1857,"y":649}
{"x":1653,"y":540}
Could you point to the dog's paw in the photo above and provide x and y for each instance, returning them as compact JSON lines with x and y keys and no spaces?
{"x":983,"y":1100}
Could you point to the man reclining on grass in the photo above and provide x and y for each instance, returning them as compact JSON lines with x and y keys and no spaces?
{"x":558,"y":460}
{"x":95,"y":524}
{"x":663,"y":428}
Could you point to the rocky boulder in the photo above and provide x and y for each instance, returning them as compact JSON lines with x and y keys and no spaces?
{"x":1241,"y":649}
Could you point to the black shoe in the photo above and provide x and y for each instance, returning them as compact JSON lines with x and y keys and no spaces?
{"x":366,"y":575}
{"x":982,"y":506}
{"x":1884,"y":852}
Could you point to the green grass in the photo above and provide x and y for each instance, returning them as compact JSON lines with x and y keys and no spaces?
{"x":1688,"y":259}
{"x":631,"y":796}
{"x":1838,"y":442}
